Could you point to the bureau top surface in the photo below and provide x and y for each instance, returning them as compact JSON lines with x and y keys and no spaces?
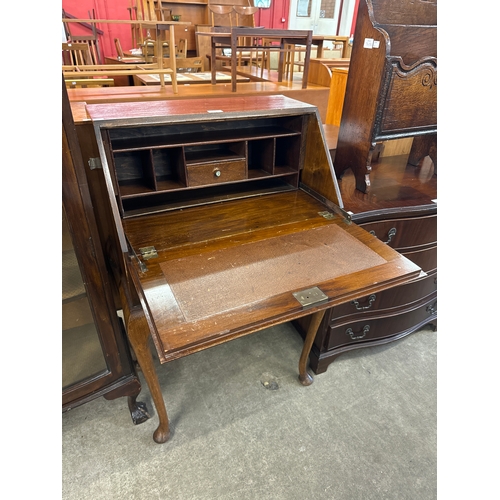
{"x":176,"y":110}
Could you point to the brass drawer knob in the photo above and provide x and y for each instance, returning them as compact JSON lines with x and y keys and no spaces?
{"x":217,"y":172}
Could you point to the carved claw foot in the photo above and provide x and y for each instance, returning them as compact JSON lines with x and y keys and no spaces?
{"x":138,"y":411}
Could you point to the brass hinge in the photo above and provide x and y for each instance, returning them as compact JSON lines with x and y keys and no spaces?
{"x":95,"y":163}
{"x":327,"y":215}
{"x":148,"y":252}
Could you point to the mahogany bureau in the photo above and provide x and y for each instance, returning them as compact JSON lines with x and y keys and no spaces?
{"x":214,"y":227}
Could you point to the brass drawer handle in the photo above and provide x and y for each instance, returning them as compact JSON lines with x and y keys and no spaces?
{"x":217,"y":172}
{"x":432,"y":309}
{"x":371,"y":300}
{"x":390,"y":234}
{"x":356,"y":336}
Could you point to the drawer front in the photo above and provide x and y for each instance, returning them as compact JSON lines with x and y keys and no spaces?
{"x":394,"y":297}
{"x":405,"y":233}
{"x":363,"y":331}
{"x":216,"y":172}
{"x":425,"y":259}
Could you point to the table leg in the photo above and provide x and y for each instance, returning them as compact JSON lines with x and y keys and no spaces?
{"x":304,"y":377}
{"x":173,"y":63}
{"x":319,"y":50}
{"x":213,"y":64}
{"x":139,"y":334}
{"x":345,"y":45}
{"x":159,"y":57}
{"x":306,"y":64}
{"x":234,"y":45}
{"x":281,"y":60}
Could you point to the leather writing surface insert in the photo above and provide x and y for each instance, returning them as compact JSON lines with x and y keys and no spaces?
{"x":210,"y":283}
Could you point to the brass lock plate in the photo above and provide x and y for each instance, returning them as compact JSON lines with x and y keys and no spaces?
{"x":310,"y":296}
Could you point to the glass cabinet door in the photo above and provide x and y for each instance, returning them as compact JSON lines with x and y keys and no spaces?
{"x":96,"y":359}
{"x":82,"y":353}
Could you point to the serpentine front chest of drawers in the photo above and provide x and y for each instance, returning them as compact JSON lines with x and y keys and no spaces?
{"x":400,"y":210}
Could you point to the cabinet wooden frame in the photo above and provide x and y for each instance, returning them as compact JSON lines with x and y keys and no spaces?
{"x":119,"y":378}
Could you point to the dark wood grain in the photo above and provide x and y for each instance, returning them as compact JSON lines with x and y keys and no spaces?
{"x":391,"y":89}
{"x":287,"y":238}
{"x":397,"y":189}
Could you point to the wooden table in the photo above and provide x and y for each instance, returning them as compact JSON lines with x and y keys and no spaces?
{"x":260,"y":36}
{"x":189,"y":78}
{"x":319,"y":40}
{"x":127,"y":60}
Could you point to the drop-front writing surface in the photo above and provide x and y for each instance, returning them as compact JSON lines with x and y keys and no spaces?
{"x":229,"y":278}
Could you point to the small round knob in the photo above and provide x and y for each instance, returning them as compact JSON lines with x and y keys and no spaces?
{"x":217,"y":172}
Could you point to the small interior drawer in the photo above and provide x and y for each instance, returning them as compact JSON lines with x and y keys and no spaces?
{"x":214,"y":172}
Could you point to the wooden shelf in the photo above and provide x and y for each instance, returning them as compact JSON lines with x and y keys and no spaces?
{"x":189,"y":156}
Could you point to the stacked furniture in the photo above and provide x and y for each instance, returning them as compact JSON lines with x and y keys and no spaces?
{"x":83,"y":70}
{"x":390,"y":94}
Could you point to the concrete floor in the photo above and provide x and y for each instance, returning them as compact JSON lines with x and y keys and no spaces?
{"x":365,"y":429}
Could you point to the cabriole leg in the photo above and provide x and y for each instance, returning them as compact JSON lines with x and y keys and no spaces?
{"x":138,"y":333}
{"x":304,"y":377}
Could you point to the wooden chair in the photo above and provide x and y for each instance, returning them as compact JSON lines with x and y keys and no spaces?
{"x":79,"y":55}
{"x":146,"y":10}
{"x":245,"y":16}
{"x":221,"y":15}
{"x":76,"y":54}
{"x":91,"y":40}
{"x":119,"y":50}
{"x":181,"y":49}
{"x":93,"y":45}
{"x":187,"y":64}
